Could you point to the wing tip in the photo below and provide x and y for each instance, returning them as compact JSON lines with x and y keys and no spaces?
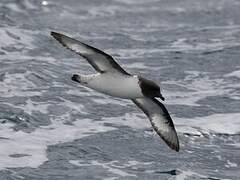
{"x":56,"y":35}
{"x":173,"y":145}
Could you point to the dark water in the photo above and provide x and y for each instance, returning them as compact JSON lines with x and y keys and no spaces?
{"x":52,"y":128}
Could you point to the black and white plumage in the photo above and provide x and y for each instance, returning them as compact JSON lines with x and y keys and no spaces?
{"x":160,"y":119}
{"x":113,"y":80}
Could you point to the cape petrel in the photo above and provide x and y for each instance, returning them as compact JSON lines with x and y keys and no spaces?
{"x":113,"y":80}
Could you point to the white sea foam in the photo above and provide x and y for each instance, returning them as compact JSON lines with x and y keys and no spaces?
{"x":33,"y":106}
{"x":231,"y":164}
{"x":234,"y":74}
{"x":235,"y":144}
{"x":34,"y":145}
{"x":216,"y":123}
{"x":183,"y":44}
{"x":78,"y":92}
{"x":199,"y":86}
{"x":20,"y":6}
{"x":17,"y":85}
{"x":134,"y":120}
{"x":14,"y":7}
{"x":186,"y":174}
{"x":134,"y":53}
{"x":73,"y":106}
{"x":29,"y":5}
{"x":141,"y":65}
{"x":113,"y":167}
{"x":30,"y":106}
{"x":136,"y":1}
{"x":10,"y":38}
{"x":110,"y":178}
{"x":138,"y":65}
{"x":103,"y":10}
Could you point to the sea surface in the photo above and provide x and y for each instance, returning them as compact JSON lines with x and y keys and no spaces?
{"x":54,"y":129}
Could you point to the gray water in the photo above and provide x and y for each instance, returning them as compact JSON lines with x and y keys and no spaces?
{"x":52,"y":128}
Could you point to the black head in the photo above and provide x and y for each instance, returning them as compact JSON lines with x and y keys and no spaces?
{"x":150,"y":89}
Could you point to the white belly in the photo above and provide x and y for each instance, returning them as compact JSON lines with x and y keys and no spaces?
{"x":116,"y":85}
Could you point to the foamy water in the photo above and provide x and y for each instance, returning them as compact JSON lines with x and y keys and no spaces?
{"x":53,"y":128}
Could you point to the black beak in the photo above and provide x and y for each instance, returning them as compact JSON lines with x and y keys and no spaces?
{"x":162,"y":98}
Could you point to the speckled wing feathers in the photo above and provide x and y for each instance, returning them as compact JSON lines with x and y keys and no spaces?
{"x":100,"y":61}
{"x":160,"y":120}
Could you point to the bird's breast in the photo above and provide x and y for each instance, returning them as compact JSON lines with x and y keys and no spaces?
{"x":117,"y":85}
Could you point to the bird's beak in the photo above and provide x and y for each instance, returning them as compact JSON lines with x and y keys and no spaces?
{"x":162,"y":98}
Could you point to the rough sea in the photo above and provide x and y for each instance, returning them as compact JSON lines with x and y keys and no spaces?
{"x":54,"y":129}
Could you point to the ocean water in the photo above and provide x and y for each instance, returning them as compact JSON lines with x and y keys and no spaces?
{"x":54,"y":129}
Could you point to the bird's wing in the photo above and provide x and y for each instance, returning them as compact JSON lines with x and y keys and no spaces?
{"x":100,"y":61}
{"x":160,"y":120}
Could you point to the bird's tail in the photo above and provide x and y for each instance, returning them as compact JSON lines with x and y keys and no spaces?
{"x":83,"y":79}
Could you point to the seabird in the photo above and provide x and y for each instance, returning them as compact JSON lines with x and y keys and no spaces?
{"x":113,"y":80}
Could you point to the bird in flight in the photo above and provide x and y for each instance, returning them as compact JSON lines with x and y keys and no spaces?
{"x":113,"y":80}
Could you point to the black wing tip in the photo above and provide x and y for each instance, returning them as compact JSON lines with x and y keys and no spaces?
{"x":53,"y":33}
{"x":57,"y":36}
{"x":173,"y":144}
{"x":175,"y":147}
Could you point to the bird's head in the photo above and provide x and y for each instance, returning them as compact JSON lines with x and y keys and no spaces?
{"x":150,"y":88}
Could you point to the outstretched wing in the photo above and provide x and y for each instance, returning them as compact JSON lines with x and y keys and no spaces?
{"x":100,"y":61}
{"x":160,"y":120}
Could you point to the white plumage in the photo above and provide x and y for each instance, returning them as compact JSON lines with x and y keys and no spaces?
{"x":121,"y":86}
